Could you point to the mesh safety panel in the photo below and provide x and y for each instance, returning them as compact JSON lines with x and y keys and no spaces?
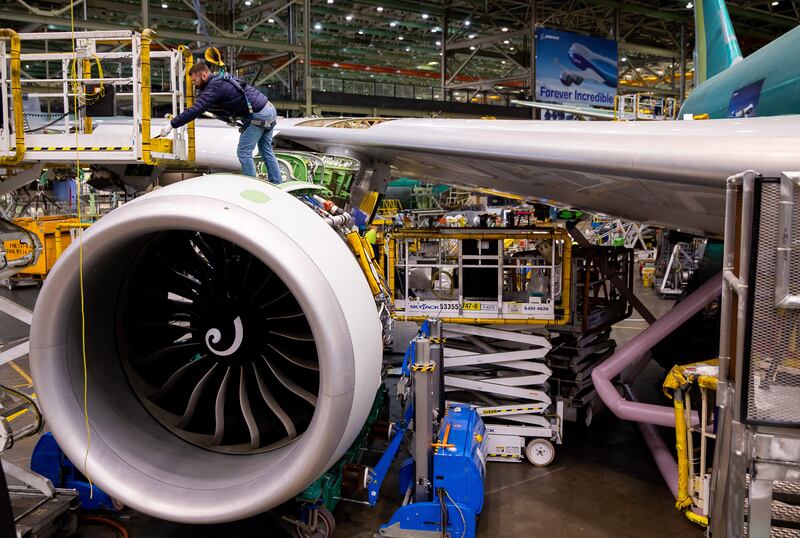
{"x":773,"y":372}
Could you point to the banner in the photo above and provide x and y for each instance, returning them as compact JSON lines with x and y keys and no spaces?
{"x":575,"y":69}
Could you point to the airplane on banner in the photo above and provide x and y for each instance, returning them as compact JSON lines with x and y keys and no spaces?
{"x":592,"y":65}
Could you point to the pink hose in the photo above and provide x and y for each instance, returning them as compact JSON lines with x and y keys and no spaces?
{"x":659,"y":415}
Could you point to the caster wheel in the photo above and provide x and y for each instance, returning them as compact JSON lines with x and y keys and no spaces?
{"x":324,"y":528}
{"x":540,"y":452}
{"x":69,"y":524}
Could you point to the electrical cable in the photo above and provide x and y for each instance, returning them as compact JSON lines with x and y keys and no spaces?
{"x":442,"y":511}
{"x":463,"y":520}
{"x":123,"y":532}
{"x":78,"y":184}
{"x":98,"y":93}
{"x":58,"y":119}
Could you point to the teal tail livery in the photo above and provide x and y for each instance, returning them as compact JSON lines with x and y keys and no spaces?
{"x":766,"y":83}
{"x":716,"y":47}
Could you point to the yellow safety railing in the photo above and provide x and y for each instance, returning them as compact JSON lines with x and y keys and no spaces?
{"x":390,"y":207}
{"x":188,"y":89}
{"x":147,"y":36}
{"x":676,"y":386}
{"x":16,"y":98}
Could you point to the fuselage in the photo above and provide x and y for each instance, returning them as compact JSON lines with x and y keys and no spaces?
{"x":766,"y":83}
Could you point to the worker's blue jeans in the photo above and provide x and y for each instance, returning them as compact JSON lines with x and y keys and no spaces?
{"x":254,"y":136}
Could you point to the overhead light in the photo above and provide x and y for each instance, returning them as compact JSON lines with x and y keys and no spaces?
{"x":438,"y":43}
{"x":317,"y":26}
{"x":27,"y":66}
{"x":503,"y":62}
{"x":623,"y":59}
{"x":165,"y":6}
{"x":506,"y":42}
{"x":504,"y":29}
{"x":775,"y":3}
{"x":510,"y":48}
{"x":361,"y":32}
{"x":472,"y":47}
{"x":400,"y":38}
{"x":433,"y":63}
{"x":435,"y":29}
{"x":467,"y":23}
{"x":335,"y":64}
{"x":689,"y":5}
{"x":393,"y":24}
{"x":270,"y":20}
{"x":472,"y":36}
{"x":248,"y":3}
{"x":425,"y":15}
{"x":379,"y":8}
{"x":348,"y":18}
{"x":330,"y":1}
{"x":408,"y":49}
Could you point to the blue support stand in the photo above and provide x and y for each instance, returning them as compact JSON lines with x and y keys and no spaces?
{"x":50,"y":461}
{"x":458,"y":479}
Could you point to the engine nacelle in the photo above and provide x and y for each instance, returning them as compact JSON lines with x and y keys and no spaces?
{"x":233,"y":350}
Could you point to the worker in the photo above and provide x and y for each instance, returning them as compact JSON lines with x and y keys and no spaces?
{"x":240,"y":100}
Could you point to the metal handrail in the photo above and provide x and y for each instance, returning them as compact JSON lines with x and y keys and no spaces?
{"x":783,"y":298}
{"x":16,"y":99}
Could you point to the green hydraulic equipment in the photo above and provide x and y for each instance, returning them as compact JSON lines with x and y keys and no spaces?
{"x":333,"y":173}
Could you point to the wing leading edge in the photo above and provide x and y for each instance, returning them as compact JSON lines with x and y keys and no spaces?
{"x":669,"y":174}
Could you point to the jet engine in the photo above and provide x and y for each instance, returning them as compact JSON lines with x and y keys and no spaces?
{"x":232,"y":350}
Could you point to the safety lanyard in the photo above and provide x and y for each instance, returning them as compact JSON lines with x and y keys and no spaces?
{"x":229,"y":78}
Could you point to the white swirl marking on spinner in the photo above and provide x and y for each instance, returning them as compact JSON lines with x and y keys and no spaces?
{"x":213,"y":336}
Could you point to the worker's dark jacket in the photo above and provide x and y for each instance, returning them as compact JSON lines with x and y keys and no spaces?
{"x":221,"y":94}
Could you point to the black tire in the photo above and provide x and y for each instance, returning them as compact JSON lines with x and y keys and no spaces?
{"x":326,"y":525}
{"x":69,"y":524}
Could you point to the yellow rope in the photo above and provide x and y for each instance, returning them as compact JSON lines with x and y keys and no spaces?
{"x":80,"y":265}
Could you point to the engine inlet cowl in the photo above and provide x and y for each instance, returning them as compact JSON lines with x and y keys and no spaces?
{"x":233,"y":350}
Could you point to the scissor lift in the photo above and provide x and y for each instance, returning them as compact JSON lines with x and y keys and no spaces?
{"x":495,"y":291}
{"x":107,"y":70}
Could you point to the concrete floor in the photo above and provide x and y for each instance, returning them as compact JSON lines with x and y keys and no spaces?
{"x":603,"y":481}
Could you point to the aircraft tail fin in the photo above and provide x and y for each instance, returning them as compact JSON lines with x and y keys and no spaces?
{"x":716,"y":46}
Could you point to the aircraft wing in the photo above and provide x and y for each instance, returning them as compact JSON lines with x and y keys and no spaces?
{"x":576,"y":110}
{"x":669,"y":174}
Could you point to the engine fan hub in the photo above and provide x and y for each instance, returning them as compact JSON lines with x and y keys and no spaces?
{"x":230,"y":363}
